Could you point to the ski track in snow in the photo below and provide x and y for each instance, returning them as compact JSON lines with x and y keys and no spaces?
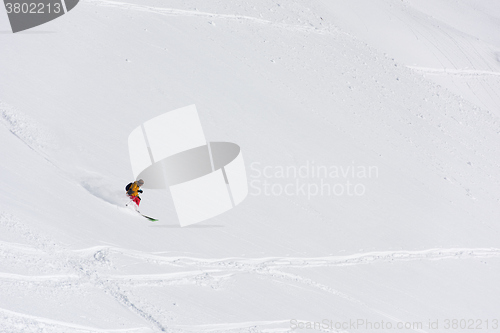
{"x":19,"y":247}
{"x":83,"y":267}
{"x":236,"y":326}
{"x":51,"y":278}
{"x":181,"y":12}
{"x":25,"y":128}
{"x":456,"y":72}
{"x":66,"y":260}
{"x":236,"y":263}
{"x":49,"y":325}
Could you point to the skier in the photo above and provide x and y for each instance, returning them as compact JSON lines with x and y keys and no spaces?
{"x":133,"y":190}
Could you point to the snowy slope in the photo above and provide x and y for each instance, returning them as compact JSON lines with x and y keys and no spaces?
{"x":453,"y":43}
{"x":294,"y":84}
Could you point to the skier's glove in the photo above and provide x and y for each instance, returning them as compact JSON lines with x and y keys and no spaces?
{"x":140,"y":191}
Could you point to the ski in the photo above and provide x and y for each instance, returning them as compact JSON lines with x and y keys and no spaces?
{"x":152,"y":219}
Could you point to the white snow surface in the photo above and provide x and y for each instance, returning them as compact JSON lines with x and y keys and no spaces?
{"x":410,"y":88}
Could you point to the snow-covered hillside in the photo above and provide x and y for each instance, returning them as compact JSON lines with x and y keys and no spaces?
{"x":398,"y":100}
